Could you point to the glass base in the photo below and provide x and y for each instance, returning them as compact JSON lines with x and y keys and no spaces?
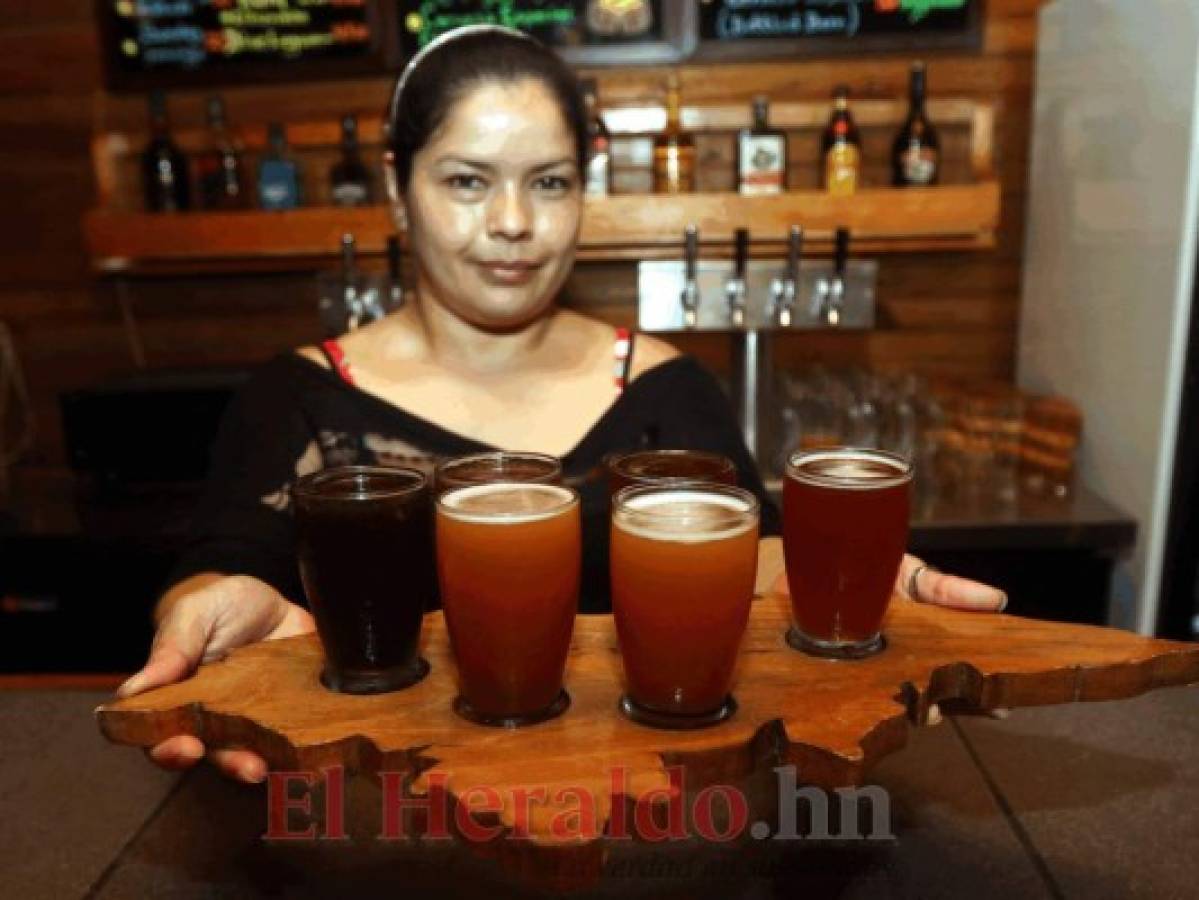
{"x":380,"y":682}
{"x":643,"y":715}
{"x":828,"y":650}
{"x":555,"y":709}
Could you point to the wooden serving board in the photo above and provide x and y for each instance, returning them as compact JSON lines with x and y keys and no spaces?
{"x":831,"y":719}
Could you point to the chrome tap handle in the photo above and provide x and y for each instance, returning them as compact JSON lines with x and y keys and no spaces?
{"x":349,"y":274}
{"x":835,"y":309}
{"x":841,"y":258}
{"x":735,"y":287}
{"x":690,"y":295}
{"x":785,"y":308}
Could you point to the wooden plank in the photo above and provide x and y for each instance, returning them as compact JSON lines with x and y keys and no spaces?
{"x":119,"y":241}
{"x":62,"y":58}
{"x":21,"y":14}
{"x":1010,"y":35}
{"x":268,"y":697}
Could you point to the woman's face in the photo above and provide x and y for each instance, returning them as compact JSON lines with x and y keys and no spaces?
{"x":494,"y":204}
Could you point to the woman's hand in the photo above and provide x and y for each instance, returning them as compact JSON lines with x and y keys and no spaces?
{"x":916,"y":581}
{"x":200,"y":620}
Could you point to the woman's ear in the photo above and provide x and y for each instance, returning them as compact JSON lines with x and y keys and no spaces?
{"x":395,"y":201}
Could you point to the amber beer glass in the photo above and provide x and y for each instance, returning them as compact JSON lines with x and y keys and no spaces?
{"x":655,"y":467}
{"x":845,"y":526}
{"x":365,"y":542}
{"x":508,"y":560}
{"x":683,"y":562}
{"x":500,"y":465}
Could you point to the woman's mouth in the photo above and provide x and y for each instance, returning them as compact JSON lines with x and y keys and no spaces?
{"x":508,"y":272}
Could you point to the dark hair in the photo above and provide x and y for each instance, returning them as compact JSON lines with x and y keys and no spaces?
{"x":445,"y":75}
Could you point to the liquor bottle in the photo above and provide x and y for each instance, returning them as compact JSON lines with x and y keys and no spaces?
{"x":165,"y":180}
{"x":841,"y":147}
{"x":279,"y":182}
{"x":219,"y":180}
{"x":598,"y":182}
{"x":761,"y":154}
{"x":349,"y":179}
{"x":916,"y":156}
{"x":674,"y":149}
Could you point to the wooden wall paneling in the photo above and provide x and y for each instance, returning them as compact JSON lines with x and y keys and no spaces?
{"x":46,"y":59}
{"x":25,"y":13}
{"x":952,"y":314}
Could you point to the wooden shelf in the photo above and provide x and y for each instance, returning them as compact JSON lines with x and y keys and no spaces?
{"x":630,"y":227}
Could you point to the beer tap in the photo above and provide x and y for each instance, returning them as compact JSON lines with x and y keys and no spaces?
{"x":734,"y":288}
{"x":785,"y":291}
{"x":690,"y":295}
{"x":828,"y":299}
{"x":350,"y":297}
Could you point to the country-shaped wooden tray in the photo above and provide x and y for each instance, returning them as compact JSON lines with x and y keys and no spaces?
{"x":831,"y":719}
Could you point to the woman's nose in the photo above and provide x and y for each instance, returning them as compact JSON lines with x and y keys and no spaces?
{"x":509,"y":215}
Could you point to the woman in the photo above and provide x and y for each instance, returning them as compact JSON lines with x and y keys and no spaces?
{"x":487,"y":143}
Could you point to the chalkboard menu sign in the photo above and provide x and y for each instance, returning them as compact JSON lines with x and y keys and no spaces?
{"x":585,"y":32}
{"x":808,"y":27}
{"x":179,"y":42}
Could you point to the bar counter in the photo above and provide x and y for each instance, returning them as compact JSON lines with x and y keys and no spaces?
{"x":1086,"y":800}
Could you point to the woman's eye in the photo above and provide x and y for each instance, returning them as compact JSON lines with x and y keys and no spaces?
{"x":555,"y":183}
{"x":465,"y":182}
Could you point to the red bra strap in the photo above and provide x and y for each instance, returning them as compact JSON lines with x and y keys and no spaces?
{"x":623,"y":353}
{"x":337,"y":359}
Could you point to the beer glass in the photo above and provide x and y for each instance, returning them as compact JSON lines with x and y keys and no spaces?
{"x":364,"y":536}
{"x":484,"y":468}
{"x":650,"y":467}
{"x":683,"y":562}
{"x":845,"y":526}
{"x":508,"y":560}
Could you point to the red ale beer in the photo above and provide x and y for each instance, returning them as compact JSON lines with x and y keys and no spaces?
{"x":508,"y":559}
{"x":845,"y":527}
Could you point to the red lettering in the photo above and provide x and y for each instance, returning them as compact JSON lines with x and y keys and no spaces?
{"x":586,"y":825}
{"x":335,"y":803}
{"x":738,"y":808}
{"x":465,"y":809}
{"x":521,"y":800}
{"x":278,"y":803}
{"x":644,"y":814}
{"x":397,"y":802}
{"x":618,"y":819}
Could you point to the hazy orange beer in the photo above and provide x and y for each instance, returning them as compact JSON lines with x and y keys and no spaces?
{"x":683,"y":562}
{"x":845,"y":527}
{"x":508,"y":558}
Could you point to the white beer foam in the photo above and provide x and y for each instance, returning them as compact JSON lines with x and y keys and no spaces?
{"x":848,"y":469}
{"x":685,"y":516}
{"x":506,"y":502}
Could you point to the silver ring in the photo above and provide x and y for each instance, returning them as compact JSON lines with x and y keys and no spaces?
{"x":913,"y":584}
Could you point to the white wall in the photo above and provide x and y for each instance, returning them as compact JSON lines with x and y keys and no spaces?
{"x":1109,"y":260}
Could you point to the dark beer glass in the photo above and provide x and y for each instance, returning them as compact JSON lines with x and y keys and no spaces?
{"x":845,"y":527}
{"x":365,"y":542}
{"x":683,"y":561}
{"x":656,"y":467}
{"x":508,"y":560}
{"x":486,"y":468}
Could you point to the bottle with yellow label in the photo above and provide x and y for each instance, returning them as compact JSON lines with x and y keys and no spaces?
{"x":841,"y":151}
{"x":674,"y":149}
